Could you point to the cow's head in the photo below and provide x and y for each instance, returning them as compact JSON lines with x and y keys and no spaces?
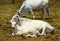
{"x":14,"y":20}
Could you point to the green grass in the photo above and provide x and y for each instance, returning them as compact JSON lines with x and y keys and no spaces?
{"x":6,"y":13}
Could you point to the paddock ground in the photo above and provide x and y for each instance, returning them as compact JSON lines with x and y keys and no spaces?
{"x":6,"y":13}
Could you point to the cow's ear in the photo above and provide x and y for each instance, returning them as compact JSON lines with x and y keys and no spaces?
{"x":17,"y":16}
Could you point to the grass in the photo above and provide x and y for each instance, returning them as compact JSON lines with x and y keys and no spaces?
{"x":6,"y":13}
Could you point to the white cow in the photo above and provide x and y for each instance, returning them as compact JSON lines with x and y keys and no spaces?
{"x":29,"y":5}
{"x":36,"y":24}
{"x":25,"y":31}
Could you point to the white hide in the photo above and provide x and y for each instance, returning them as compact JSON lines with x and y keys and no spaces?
{"x":29,"y":5}
{"x":25,"y":31}
{"x":37,"y":24}
{"x":29,"y":25}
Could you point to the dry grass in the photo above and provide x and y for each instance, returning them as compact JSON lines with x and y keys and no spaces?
{"x":6,"y":13}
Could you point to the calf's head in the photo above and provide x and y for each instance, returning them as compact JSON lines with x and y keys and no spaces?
{"x":14,"y":20}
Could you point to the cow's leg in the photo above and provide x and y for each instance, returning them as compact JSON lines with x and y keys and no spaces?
{"x":44,"y":13}
{"x":43,"y":31}
{"x":32,"y":12}
{"x":48,"y":12}
{"x":29,"y":35}
{"x":21,"y":12}
{"x":35,"y":33}
{"x":22,"y":9}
